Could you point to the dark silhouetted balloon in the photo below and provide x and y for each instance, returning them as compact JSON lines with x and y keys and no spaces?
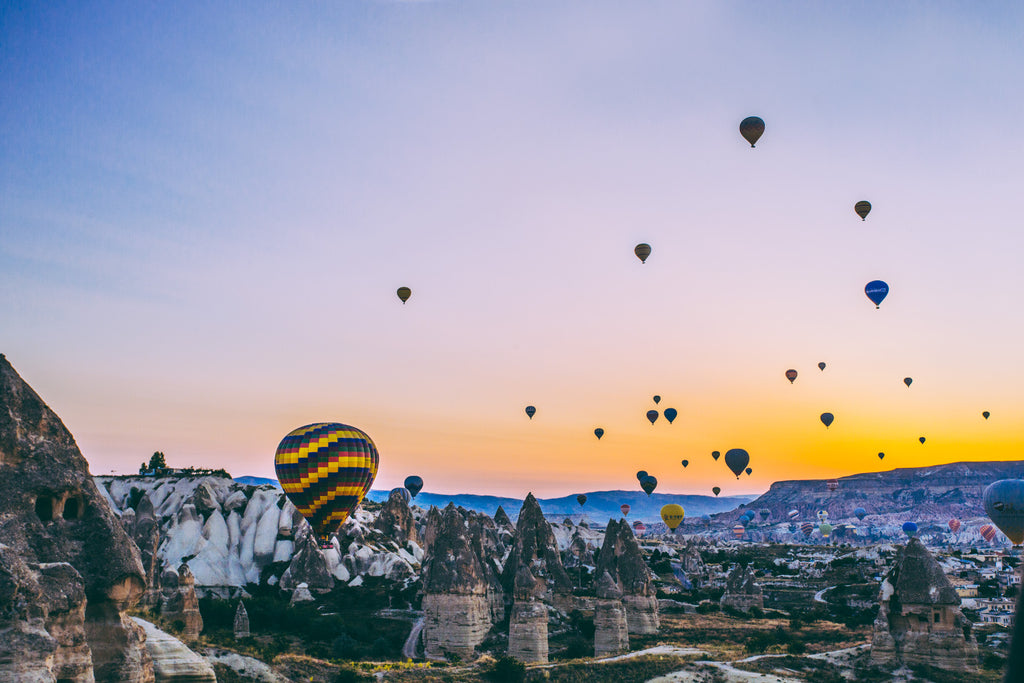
{"x":625,"y":509}
{"x":985,"y":414}
{"x":921,"y":439}
{"x":715,"y":454}
{"x":640,"y":475}
{"x":876,"y":290}
{"x":861,"y":513}
{"x":863,"y":208}
{"x":821,"y":366}
{"x":749,"y":471}
{"x":715,"y":490}
{"x":531,"y":411}
{"x":670,"y":414}
{"x":736,"y":460}
{"x":672,"y":514}
{"x":598,"y":433}
{"x":908,"y":381}
{"x":581,"y":499}
{"x":910,"y":529}
{"x":642,"y":251}
{"x":765,"y":514}
{"x":881,"y":456}
{"x":657,"y":399}
{"x":1004,"y":504}
{"x":827,"y":419}
{"x":686,"y":463}
{"x":404,"y":293}
{"x":791,"y":375}
{"x":752,"y":128}
{"x":652,"y":415}
{"x":414,"y":484}
{"x":648,"y":484}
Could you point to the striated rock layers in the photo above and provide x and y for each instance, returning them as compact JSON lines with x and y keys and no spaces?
{"x":621,"y":558}
{"x":528,"y":624}
{"x":461,"y":591}
{"x":611,"y":634}
{"x":919,"y":619}
{"x":173,"y":662}
{"x":179,"y":602}
{"x":69,"y":568}
{"x":741,"y":590}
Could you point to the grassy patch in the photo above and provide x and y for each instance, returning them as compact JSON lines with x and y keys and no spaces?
{"x":632,"y":670}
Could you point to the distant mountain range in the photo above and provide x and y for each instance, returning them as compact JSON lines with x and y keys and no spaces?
{"x":600,"y":506}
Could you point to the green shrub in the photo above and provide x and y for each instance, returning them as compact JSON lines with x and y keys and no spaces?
{"x":507,"y":670}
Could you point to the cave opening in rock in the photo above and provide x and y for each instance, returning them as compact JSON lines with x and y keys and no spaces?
{"x":44,"y":507}
{"x":72,"y":508}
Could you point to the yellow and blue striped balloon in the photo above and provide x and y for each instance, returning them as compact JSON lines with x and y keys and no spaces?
{"x":326,"y":469}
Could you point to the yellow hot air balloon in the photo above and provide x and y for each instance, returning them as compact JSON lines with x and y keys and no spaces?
{"x":672,"y":515}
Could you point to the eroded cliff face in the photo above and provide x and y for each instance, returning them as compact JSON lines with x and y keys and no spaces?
{"x":621,"y":558}
{"x":742,"y":591}
{"x":51,"y":513}
{"x":396,"y":520}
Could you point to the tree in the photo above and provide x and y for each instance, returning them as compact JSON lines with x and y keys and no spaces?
{"x":157,"y":462}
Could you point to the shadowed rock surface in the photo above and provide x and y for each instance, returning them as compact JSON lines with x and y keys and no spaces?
{"x":611,"y":633}
{"x":308,"y":566}
{"x":241,"y":625}
{"x":621,"y":558}
{"x":396,"y":521}
{"x":180,"y":602}
{"x":528,"y":625}
{"x":535,"y":547}
{"x":742,"y":591}
{"x":51,"y":512}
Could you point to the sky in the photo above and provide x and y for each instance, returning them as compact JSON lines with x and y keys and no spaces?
{"x":206,"y":210}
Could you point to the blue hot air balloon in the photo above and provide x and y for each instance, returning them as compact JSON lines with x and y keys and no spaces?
{"x":861,"y":513}
{"x":670,"y":414}
{"x":876,"y":290}
{"x":652,"y":415}
{"x":910,"y":529}
{"x":827,"y":419}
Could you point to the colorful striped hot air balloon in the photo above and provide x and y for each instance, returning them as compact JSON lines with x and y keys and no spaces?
{"x":807,"y":528}
{"x":793,"y":514}
{"x":739,"y":530}
{"x":988,"y":532}
{"x":639,"y":527}
{"x":326,"y":469}
{"x":625,"y":510}
{"x":954,"y":525}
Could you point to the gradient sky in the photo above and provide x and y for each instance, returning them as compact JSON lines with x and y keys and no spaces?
{"x":206,"y":208}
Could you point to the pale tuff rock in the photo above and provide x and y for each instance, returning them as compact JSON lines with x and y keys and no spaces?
{"x":919,"y":619}
{"x":395,"y":520}
{"x":621,"y":558}
{"x":528,"y":625}
{"x":241,"y":628}
{"x":173,"y":662}
{"x":309,"y":566}
{"x":693,"y":567}
{"x":611,"y":635}
{"x":52,"y":513}
{"x":742,"y":591}
{"x":301,"y":594}
{"x":141,"y":524}
{"x":179,"y":602}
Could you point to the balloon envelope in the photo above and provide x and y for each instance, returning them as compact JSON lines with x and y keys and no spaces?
{"x":985,"y":414}
{"x":670,"y":414}
{"x":530,"y":411}
{"x":832,"y":484}
{"x":825,"y":528}
{"x":598,"y":433}
{"x":642,"y":251}
{"x":863,"y":208}
{"x":625,"y":509}
{"x":954,"y":525}
{"x":737,"y":459}
{"x":793,"y":514}
{"x":640,"y":475}
{"x":821,"y":366}
{"x":749,"y":471}
{"x":791,"y":375}
{"x":404,"y":293}
{"x":908,"y":381}
{"x":648,"y":484}
{"x":715,"y":454}
{"x":672,"y":515}
{"x":685,"y":463}
{"x":325,"y":469}
{"x":752,"y":128}
{"x":921,"y":439}
{"x":1004,"y":504}
{"x":822,"y":515}
{"x":881,"y":455}
{"x":738,"y":530}
{"x":657,"y":399}
{"x":876,"y":290}
{"x":827,"y":419}
{"x":715,"y":490}
{"x":988,"y":532}
{"x":807,"y":528}
{"x":910,"y":529}
{"x":652,"y":415}
{"x":639,"y":527}
{"x":581,"y":499}
{"x":414,"y":484}
{"x":861,"y":513}
{"x":403,"y":492}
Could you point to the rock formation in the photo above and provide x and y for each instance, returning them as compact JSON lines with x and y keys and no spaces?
{"x":241,"y":622}
{"x":621,"y":558}
{"x":919,"y":619}
{"x":395,"y":520}
{"x":535,"y":547}
{"x":742,"y":591}
{"x":528,"y":625}
{"x":501,"y":518}
{"x":179,"y":602}
{"x":611,"y":634}
{"x":141,"y":524}
{"x":173,"y":662}
{"x":459,"y":582}
{"x":51,"y":513}
{"x":692,"y":566}
{"x":308,"y":566}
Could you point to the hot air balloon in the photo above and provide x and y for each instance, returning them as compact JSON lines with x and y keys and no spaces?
{"x":403,"y":492}
{"x":648,"y":484}
{"x":715,"y":490}
{"x":751,"y":128}
{"x":988,"y":532}
{"x":639,"y":527}
{"x":640,"y":475}
{"x":414,"y":484}
{"x":863,"y":208}
{"x":657,"y":399}
{"x":625,"y":509}
{"x":404,"y":293}
{"x":739,"y":530}
{"x":326,"y":469}
{"x":652,"y":415}
{"x":826,"y":529}
{"x":822,"y":515}
{"x":908,"y":381}
{"x":642,"y":251}
{"x":705,"y":518}
{"x":881,"y":456}
{"x":910,"y":529}
{"x":861,"y":513}
{"x":876,"y":290}
{"x":765,"y":514}
{"x":1004,"y":504}
{"x":672,"y":515}
{"x":581,"y":499}
{"x":736,"y":459}
{"x":821,"y":366}
{"x":670,"y":414}
{"x":715,"y":454}
{"x":985,"y":414}
{"x":791,"y":375}
{"x":954,"y":525}
{"x":807,"y":528}
{"x":921,"y":439}
{"x":749,"y":471}
{"x":793,"y":514}
{"x":832,"y":484}
{"x":530,"y":411}
{"x":827,"y":419}
{"x":598,"y":433}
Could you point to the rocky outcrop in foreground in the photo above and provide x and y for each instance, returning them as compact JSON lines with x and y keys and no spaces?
{"x":173,"y":662}
{"x":611,"y":634}
{"x":621,"y":558}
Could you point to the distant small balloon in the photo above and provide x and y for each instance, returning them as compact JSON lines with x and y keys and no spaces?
{"x":625,"y":509}
{"x":652,"y":415}
{"x":985,"y":414}
{"x":715,"y":490}
{"x":639,"y":527}
{"x":739,"y":530}
{"x":910,"y":529}
{"x":648,"y":484}
{"x":672,"y":514}
{"x":861,"y":513}
{"x":715,"y":454}
{"x":581,"y":499}
{"x":821,"y":366}
{"x":988,"y":532}
{"x":670,"y":414}
{"x":657,"y":399}
{"x":881,"y":456}
{"x":414,"y":484}
{"x":876,"y":290}
{"x":642,"y":251}
{"x":827,"y":419}
{"x":752,"y":128}
{"x":749,"y":471}
{"x":640,"y":475}
{"x":530,"y":411}
{"x":791,"y":375}
{"x":921,"y":439}
{"x":404,"y":293}
{"x":793,"y":514}
{"x":686,"y":463}
{"x":807,"y":528}
{"x":954,"y":525}
{"x":863,"y":208}
{"x":908,"y":381}
{"x":598,"y":433}
{"x":826,"y":529}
